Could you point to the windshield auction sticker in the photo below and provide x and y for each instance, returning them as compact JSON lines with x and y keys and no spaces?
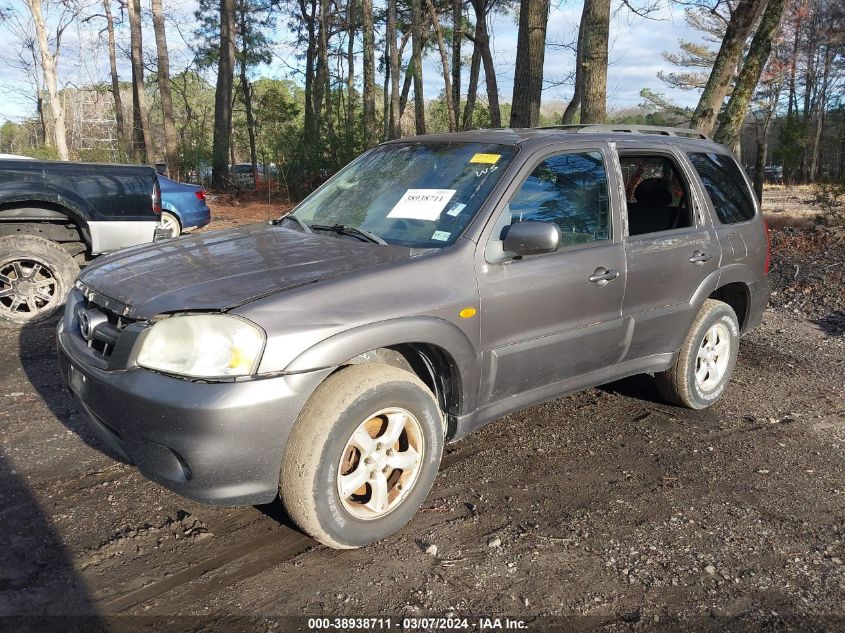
{"x":488,"y":159}
{"x":422,"y":204}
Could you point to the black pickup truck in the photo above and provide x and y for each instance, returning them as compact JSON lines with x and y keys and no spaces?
{"x":57,"y":215}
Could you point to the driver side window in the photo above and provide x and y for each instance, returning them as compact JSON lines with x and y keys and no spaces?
{"x":569,"y":190}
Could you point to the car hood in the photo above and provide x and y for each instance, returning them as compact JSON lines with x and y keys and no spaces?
{"x":220,"y":270}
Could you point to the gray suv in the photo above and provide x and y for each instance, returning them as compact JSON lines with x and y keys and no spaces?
{"x":435,"y":284}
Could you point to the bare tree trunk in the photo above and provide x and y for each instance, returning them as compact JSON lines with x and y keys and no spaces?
{"x":246,"y":89}
{"x":42,"y":120}
{"x":330,"y":130}
{"x":123,"y":133}
{"x":395,"y":129}
{"x":730,"y":52}
{"x":49,"y":61}
{"x":352,"y":97}
{"x":762,"y":150}
{"x":310,"y":131}
{"x":171,"y":147}
{"x":444,"y":59}
{"x":322,"y":72}
{"x":530,"y":54}
{"x":223,"y":96}
{"x":472,"y":89}
{"x":792,"y":99}
{"x":385,"y":103}
{"x":406,"y":88}
{"x":758,"y":54}
{"x":141,"y":141}
{"x":370,"y":133}
{"x":821,"y":111}
{"x":482,"y":41}
{"x":573,"y":106}
{"x":594,"y":61}
{"x":457,"y":36}
{"x":416,"y":61}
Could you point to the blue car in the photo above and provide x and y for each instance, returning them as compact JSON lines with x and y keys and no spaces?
{"x":183,"y":206}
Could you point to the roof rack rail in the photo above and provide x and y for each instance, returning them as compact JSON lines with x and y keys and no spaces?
{"x":681,"y":132}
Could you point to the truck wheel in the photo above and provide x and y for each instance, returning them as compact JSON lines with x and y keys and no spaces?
{"x":706,"y":360}
{"x":35,"y":277}
{"x":362,"y":455}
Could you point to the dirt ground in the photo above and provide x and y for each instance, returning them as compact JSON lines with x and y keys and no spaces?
{"x":608,"y":510}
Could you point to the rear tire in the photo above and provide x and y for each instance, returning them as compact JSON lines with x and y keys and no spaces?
{"x":170,"y":221}
{"x":362,"y":455}
{"x":35,"y":278}
{"x":706,"y":360}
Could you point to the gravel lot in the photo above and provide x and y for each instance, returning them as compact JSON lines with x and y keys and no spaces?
{"x":608,"y":510}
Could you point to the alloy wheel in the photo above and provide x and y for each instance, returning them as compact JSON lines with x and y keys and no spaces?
{"x":27,"y":288}
{"x":380,"y":463}
{"x":713,"y":357}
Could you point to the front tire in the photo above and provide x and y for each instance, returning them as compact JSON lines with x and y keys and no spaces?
{"x":706,"y":360}
{"x":362,"y":455}
{"x":35,"y":278}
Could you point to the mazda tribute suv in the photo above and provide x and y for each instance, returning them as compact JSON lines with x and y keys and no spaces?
{"x":433,"y":285}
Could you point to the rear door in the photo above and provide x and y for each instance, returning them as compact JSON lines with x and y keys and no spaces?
{"x":667,"y":263}
{"x":733,"y":207}
{"x":551,"y":317}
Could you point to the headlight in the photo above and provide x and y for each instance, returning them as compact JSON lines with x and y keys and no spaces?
{"x":202,"y":346}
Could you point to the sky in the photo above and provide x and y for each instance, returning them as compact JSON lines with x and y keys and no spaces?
{"x":635,"y":55}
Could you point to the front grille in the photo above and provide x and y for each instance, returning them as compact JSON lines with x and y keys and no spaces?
{"x":105,"y":327}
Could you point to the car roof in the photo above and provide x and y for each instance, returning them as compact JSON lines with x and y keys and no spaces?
{"x":690,"y":139}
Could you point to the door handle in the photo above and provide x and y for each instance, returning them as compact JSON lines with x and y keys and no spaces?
{"x":699,"y":257}
{"x":601,"y":276}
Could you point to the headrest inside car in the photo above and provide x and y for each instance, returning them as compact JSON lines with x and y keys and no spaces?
{"x":653,"y":192}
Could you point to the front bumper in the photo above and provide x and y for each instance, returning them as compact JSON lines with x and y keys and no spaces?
{"x":218,"y":443}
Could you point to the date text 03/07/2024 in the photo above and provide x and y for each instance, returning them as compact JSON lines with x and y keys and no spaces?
{"x":413,"y":623}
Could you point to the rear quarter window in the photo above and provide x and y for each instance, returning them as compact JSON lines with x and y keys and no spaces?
{"x":725,"y":185}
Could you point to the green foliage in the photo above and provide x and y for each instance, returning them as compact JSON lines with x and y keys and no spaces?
{"x":41,"y":152}
{"x":277,"y":107}
{"x":830,"y":196}
{"x":193,"y":108}
{"x":23,"y":139}
{"x":101,"y":154}
{"x":254,"y":20}
{"x":663,"y":109}
{"x":790,"y":149}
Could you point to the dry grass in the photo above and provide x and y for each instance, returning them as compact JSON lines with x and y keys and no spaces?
{"x":228,"y":211}
{"x":792,"y":205}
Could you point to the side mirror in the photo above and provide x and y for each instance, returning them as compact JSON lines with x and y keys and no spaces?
{"x":532,"y":238}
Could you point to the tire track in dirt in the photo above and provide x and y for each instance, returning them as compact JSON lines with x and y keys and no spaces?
{"x":287,"y":543}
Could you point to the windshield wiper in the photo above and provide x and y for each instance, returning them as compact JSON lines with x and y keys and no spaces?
{"x":295,"y":219}
{"x":345,"y":229}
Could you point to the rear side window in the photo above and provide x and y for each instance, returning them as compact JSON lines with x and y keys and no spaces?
{"x":725,"y":185}
{"x":655,"y":193}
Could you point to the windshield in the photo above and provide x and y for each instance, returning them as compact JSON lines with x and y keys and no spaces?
{"x":420,"y":195}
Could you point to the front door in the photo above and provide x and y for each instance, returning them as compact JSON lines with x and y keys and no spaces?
{"x":548,"y":318}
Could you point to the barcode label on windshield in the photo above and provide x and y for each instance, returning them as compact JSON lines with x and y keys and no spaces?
{"x":422,"y":204}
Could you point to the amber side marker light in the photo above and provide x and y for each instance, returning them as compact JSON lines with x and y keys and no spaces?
{"x":467,"y":313}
